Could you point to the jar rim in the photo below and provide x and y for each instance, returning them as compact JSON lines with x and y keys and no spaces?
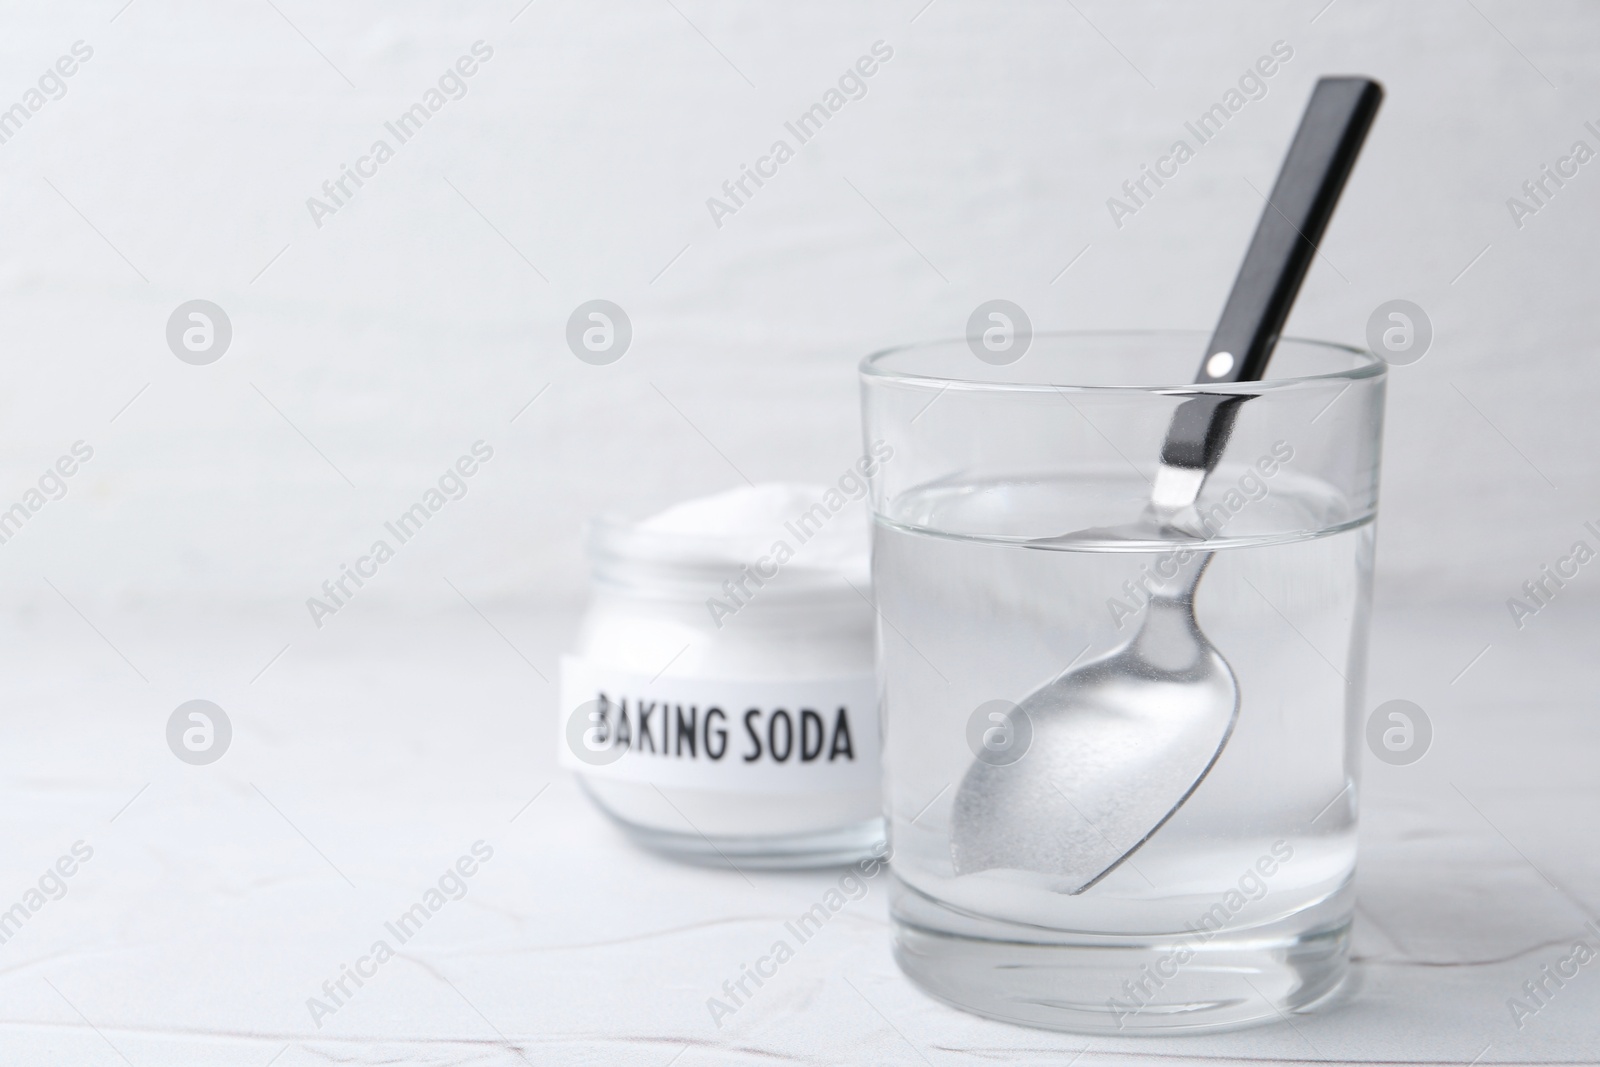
{"x":621,"y":547}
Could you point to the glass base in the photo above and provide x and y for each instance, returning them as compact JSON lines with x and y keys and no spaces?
{"x":1098,"y":984}
{"x":835,"y":847}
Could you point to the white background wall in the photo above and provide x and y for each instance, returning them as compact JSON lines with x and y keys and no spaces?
{"x":416,"y":320}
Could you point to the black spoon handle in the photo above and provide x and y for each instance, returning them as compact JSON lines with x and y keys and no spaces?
{"x":1324,"y":150}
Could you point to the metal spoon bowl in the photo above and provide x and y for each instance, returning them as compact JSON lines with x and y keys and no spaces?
{"x":1118,"y":745}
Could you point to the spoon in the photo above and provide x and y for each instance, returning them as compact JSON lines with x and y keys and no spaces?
{"x":1119,"y":744}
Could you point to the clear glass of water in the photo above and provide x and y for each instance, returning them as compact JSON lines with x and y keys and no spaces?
{"x":1237,"y":906}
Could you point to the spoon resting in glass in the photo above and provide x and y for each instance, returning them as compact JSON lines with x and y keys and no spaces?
{"x":1120,"y":743}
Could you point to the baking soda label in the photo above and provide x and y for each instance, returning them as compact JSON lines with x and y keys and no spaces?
{"x":797,"y":736}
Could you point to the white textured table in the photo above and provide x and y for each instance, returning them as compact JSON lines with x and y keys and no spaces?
{"x":369,"y":757}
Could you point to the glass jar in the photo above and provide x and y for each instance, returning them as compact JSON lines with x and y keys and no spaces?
{"x":720,"y":704}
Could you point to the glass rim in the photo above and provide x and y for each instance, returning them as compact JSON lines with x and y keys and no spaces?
{"x":1368,"y":366}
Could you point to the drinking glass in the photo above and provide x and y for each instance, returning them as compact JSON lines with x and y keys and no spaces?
{"x":1238,"y":907}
